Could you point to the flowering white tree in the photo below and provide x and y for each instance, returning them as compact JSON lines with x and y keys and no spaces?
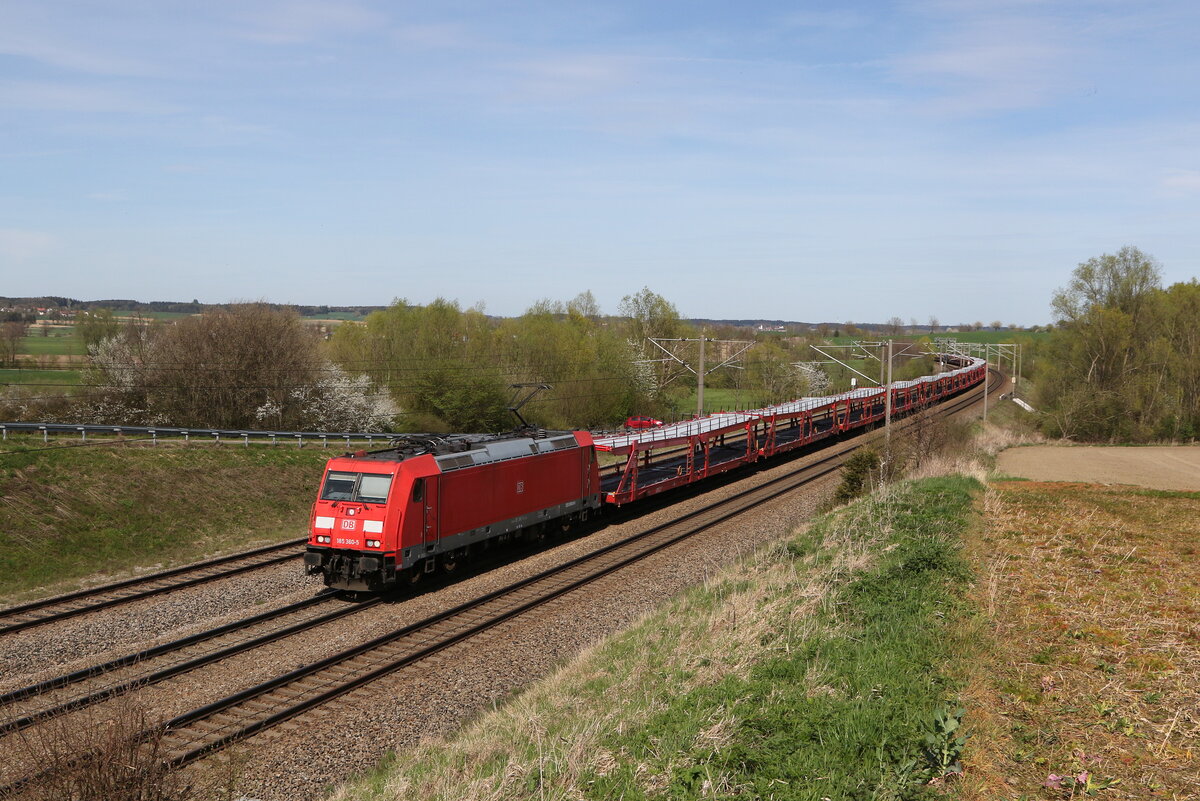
{"x":338,"y":401}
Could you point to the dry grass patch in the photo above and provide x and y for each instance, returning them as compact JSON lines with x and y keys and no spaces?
{"x":111,"y":754}
{"x":1091,"y":595}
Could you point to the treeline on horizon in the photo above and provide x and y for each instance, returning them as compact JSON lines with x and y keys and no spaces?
{"x":168,"y":306}
{"x":894,"y":325}
{"x":435,"y":367}
{"x":1121,"y":363}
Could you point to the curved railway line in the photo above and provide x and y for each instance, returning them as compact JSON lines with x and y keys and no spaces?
{"x":62,"y":607}
{"x":209,"y":728}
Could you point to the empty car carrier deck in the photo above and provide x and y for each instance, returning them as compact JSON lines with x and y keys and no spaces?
{"x":662,"y":458}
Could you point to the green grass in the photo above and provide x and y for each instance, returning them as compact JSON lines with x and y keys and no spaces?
{"x":719,"y":399}
{"x":44,"y":381}
{"x":56,"y":344}
{"x":814,"y":670}
{"x":69,"y":512}
{"x":158,"y":315}
{"x":341,"y":316}
{"x":879,"y":663}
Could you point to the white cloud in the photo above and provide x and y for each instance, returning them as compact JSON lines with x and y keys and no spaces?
{"x":433,"y":37}
{"x":1181,"y":182}
{"x":64,"y":40}
{"x":983,"y":61}
{"x":21,"y":246}
{"x":574,"y":76}
{"x":75,"y":97}
{"x":301,"y":21}
{"x":841,"y":19}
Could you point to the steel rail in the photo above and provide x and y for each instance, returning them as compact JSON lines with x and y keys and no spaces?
{"x":150,"y":676}
{"x":27,"y":615}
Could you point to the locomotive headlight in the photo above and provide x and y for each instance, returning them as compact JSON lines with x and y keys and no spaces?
{"x":372,"y":543}
{"x":322,"y":538}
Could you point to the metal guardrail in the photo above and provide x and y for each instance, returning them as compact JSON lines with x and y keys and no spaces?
{"x":187,"y":434}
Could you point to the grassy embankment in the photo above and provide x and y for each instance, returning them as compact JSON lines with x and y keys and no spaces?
{"x":70,"y":512}
{"x":814,"y":669}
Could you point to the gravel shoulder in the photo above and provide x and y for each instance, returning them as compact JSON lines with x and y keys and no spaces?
{"x":1157,"y":467}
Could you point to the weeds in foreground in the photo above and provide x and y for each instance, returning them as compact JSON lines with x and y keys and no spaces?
{"x":943,"y":748}
{"x":117,"y":754}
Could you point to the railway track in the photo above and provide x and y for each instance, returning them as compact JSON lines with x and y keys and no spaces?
{"x":209,"y":728}
{"x":62,"y":607}
{"x":190,"y":736}
{"x":27,"y":706}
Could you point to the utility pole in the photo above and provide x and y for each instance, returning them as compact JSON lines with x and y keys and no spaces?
{"x":986,"y":353}
{"x":702,"y":371}
{"x":887,"y":398}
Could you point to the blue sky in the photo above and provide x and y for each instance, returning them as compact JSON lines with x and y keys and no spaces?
{"x":804,"y":161}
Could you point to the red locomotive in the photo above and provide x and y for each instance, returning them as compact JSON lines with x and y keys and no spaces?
{"x":433,"y":500}
{"x":429,"y":502}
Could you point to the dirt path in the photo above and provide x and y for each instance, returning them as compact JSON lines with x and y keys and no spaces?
{"x":1167,"y":468}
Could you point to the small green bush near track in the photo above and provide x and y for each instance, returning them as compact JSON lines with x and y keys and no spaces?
{"x":819,"y":669}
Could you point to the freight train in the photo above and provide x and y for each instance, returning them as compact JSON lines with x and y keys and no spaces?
{"x":429,"y":502}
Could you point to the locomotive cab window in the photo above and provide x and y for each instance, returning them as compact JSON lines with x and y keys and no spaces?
{"x":360,"y":487}
{"x":339,"y":486}
{"x":373,"y":488}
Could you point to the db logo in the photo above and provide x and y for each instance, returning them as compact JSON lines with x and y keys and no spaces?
{"x":520,"y":487}
{"x":348,"y":524}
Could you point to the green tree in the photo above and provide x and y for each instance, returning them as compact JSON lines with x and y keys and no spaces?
{"x":96,"y":325}
{"x":1118,"y":363}
{"x":649,"y":315}
{"x":11,"y":334}
{"x":436,"y":361}
{"x":1122,"y":281}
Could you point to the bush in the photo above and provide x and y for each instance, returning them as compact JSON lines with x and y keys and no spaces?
{"x":859,"y":473}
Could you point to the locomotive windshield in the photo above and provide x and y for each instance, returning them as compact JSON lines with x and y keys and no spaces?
{"x":360,"y":487}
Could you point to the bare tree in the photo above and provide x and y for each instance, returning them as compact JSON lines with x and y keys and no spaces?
{"x":244,"y":366}
{"x":11,"y":334}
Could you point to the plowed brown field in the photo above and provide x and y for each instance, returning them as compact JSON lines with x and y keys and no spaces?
{"x":1167,"y":468}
